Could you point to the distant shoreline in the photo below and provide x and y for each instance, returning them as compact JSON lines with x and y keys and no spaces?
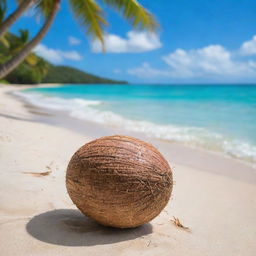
{"x":32,"y":85}
{"x":128,"y":83}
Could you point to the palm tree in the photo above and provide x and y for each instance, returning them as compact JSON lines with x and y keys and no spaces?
{"x":89,"y":15}
{"x":5,"y":24}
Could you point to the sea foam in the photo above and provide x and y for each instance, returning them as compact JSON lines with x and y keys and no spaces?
{"x":55,"y":103}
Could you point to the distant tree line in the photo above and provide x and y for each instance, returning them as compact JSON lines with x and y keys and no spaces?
{"x":34,"y":69}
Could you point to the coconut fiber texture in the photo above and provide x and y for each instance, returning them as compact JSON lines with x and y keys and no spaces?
{"x":119,"y":181}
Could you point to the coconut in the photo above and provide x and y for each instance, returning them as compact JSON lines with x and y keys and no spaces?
{"x":119,"y":181}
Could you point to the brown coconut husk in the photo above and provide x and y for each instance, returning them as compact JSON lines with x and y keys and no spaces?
{"x":119,"y":181}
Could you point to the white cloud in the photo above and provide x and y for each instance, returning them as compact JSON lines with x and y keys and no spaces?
{"x":213,"y":61}
{"x":210,"y":60}
{"x":249,"y":47}
{"x":55,"y":55}
{"x":73,"y":40}
{"x":117,"y":71}
{"x":70,"y":55}
{"x":134,"y":42}
{"x":146,"y":71}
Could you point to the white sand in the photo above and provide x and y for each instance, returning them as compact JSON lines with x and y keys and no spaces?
{"x":36,"y":216}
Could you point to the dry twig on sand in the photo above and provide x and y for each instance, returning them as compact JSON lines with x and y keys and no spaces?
{"x":38,"y":174}
{"x":177,"y":223}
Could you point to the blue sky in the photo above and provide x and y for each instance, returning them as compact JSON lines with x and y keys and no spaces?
{"x":198,"y":41}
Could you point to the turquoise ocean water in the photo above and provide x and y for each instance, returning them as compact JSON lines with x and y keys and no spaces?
{"x":216,"y":117}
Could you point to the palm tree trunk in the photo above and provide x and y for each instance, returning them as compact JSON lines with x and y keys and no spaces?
{"x":14,"y":16}
{"x":11,"y":64}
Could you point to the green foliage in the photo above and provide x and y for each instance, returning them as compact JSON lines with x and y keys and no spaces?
{"x":44,"y":7}
{"x":136,"y":15}
{"x":16,"y":43}
{"x":89,"y":15}
{"x":33,"y":68}
{"x":2,"y":81}
{"x":64,"y":74}
{"x":24,"y":74}
{"x":47,"y":73}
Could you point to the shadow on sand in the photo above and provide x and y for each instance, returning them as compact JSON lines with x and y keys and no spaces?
{"x":72,"y":228}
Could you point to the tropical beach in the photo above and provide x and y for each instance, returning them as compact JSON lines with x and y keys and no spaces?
{"x":127,"y":127}
{"x":212,"y":194}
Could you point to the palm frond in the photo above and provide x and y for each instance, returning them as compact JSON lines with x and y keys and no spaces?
{"x":24,"y":36}
{"x":44,"y":7}
{"x":5,"y":42}
{"x":32,"y":59}
{"x":90,"y":15}
{"x":42,"y":66}
{"x":136,"y":14}
{"x":17,"y":42}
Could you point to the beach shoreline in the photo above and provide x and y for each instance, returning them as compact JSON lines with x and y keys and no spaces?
{"x":213,"y":195}
{"x":192,"y":156}
{"x":176,"y":120}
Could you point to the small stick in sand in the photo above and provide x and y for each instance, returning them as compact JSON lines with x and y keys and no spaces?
{"x":38,"y":174}
{"x":177,"y":223}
